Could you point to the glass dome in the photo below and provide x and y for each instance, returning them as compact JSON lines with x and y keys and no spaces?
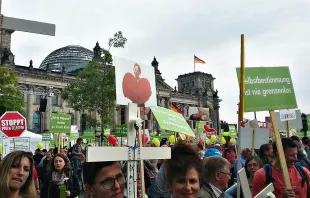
{"x":67,"y":57}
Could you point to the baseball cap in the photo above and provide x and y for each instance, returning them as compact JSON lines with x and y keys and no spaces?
{"x":212,"y":152}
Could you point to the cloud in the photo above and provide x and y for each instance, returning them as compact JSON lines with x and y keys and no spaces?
{"x":173,"y":31}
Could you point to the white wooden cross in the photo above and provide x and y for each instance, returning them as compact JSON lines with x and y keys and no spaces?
{"x":131,"y":154}
{"x":15,"y":24}
{"x":246,"y":189}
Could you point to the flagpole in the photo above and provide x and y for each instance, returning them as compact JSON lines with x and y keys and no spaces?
{"x":240,"y":110}
{"x":194,"y":63}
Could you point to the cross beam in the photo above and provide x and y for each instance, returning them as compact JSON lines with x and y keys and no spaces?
{"x":123,"y":153}
{"x":23,"y":25}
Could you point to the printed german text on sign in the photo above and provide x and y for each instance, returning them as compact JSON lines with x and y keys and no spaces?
{"x":286,"y":115}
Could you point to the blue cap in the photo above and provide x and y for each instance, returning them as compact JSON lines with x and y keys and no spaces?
{"x":212,"y":152}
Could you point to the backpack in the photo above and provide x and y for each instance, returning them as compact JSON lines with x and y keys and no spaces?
{"x":270,"y":179}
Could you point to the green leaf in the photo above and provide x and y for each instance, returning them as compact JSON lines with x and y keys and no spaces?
{"x":11,"y":98}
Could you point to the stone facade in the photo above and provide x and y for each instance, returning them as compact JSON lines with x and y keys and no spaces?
{"x":36,"y":83}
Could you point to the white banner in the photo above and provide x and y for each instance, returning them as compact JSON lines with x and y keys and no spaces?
{"x":21,"y":144}
{"x":286,"y":115}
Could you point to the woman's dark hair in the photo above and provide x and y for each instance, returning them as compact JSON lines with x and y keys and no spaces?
{"x":294,"y":137}
{"x":91,"y":170}
{"x":261,"y":153}
{"x":260,"y":164}
{"x":183,"y":158}
{"x":200,"y":146}
{"x":307,"y":142}
{"x":227,"y":138}
{"x":163,"y":141}
{"x":304,"y":139}
{"x":67,"y":168}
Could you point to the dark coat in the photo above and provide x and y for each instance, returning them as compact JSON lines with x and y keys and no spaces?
{"x":304,"y":161}
{"x":51,"y":190}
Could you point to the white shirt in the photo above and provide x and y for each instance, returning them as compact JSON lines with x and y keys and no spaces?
{"x":216,"y":191}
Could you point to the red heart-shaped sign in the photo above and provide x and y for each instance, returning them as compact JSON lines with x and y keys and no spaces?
{"x":206,"y":127}
{"x":138,"y":92}
{"x":209,"y":134}
{"x":211,"y":130}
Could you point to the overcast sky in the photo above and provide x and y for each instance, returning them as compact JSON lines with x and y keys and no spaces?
{"x":276,"y":32}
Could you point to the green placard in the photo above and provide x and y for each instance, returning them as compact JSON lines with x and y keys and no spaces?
{"x":268,"y":88}
{"x":62,"y":191}
{"x":98,"y":129}
{"x":200,"y":127}
{"x":107,"y":132}
{"x":52,"y":143}
{"x":46,"y":137}
{"x":171,"y":121}
{"x":121,"y":130}
{"x":232,"y":130}
{"x":89,"y":134}
{"x":67,"y":144}
{"x":74,"y":136}
{"x":60,"y":123}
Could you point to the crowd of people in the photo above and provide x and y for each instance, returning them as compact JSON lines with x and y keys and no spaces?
{"x":194,"y":171}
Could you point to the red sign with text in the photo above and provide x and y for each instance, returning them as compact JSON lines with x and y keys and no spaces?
{"x":12,"y":124}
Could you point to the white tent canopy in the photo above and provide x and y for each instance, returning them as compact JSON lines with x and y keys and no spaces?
{"x":34,"y":139}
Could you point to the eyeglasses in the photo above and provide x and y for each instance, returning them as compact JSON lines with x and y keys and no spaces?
{"x":110,"y":183}
{"x":226,"y":173}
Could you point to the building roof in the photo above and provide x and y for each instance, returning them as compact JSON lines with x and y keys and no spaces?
{"x":66,"y":58}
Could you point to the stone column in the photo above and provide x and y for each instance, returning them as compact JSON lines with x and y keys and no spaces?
{"x":78,"y":119}
{"x":217,"y":118}
{"x":30,"y":101}
{"x":186,"y":108}
{"x":47,"y":113}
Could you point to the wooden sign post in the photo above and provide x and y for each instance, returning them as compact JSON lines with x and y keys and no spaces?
{"x":241,"y":105}
{"x":253,"y":142}
{"x":132,"y":153}
{"x":288,"y":128}
{"x":280,"y":149}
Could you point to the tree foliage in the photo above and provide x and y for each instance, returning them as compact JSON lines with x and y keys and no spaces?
{"x":224,"y":126}
{"x":304,"y":123}
{"x":11,"y":99}
{"x":94,"y":87}
{"x":117,"y":41}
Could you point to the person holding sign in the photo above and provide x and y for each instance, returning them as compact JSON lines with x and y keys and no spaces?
{"x":271,"y":173}
{"x":60,"y":180}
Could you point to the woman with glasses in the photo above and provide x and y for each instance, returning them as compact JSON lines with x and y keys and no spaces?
{"x":252,"y":165}
{"x":104,"y":180}
{"x":16,"y":176}
{"x":60,"y":176}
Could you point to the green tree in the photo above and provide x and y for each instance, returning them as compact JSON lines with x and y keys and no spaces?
{"x":304,"y":124}
{"x":11,"y":99}
{"x":94,"y":87}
